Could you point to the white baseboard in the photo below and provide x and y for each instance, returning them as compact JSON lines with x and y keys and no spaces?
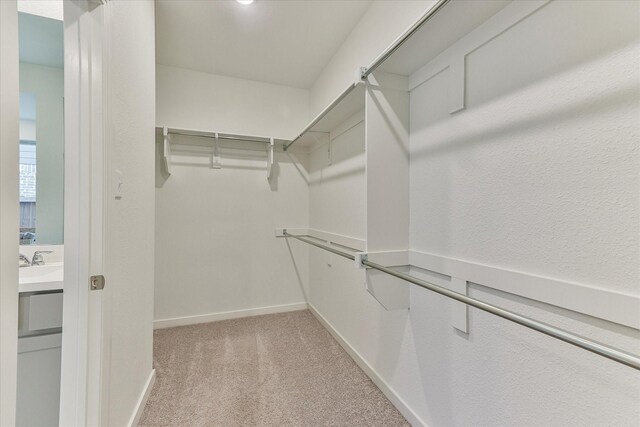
{"x":393,"y":397}
{"x":214,"y":317}
{"x":142,"y":401}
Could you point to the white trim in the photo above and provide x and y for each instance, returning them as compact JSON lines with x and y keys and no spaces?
{"x":620,"y":307}
{"x":95,"y":349}
{"x":81,"y":385}
{"x":339,"y":239}
{"x":142,"y":401}
{"x":73,"y":381}
{"x":454,"y":56}
{"x":9,"y":120}
{"x":108,"y":137}
{"x":226,"y":315}
{"x":385,"y":388}
{"x":330,"y":238}
{"x":389,"y":258}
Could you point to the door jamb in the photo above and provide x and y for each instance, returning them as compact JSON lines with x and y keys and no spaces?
{"x":81,"y":371}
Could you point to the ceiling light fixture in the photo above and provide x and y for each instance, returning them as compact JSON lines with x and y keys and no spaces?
{"x":245,"y":1}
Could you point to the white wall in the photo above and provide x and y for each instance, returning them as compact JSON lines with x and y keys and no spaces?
{"x":340,"y":184}
{"x":47,"y":84}
{"x":9,"y":119}
{"x":129,"y":233}
{"x":538,"y":174}
{"x":215,"y":245}
{"x":558,"y":171}
{"x":383,"y":22}
{"x":196,"y":100}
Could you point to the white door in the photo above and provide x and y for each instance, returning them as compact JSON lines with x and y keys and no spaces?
{"x":83,"y":335}
{"x":8,"y":210}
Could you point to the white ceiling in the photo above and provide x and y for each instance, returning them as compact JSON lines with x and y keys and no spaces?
{"x":48,"y":8}
{"x":41,"y":40}
{"x":283,"y":42}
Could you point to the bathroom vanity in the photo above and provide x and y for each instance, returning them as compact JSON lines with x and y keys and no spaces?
{"x":39,"y":344}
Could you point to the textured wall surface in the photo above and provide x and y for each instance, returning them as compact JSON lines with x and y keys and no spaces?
{"x":538,"y":174}
{"x":216,"y":250}
{"x":130,"y":220}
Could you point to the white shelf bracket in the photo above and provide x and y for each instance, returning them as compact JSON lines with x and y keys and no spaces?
{"x":166,"y":149}
{"x":270,"y":159}
{"x":215,"y":153}
{"x":360,"y":78}
{"x":359,"y":257}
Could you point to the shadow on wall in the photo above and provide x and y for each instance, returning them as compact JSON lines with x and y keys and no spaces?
{"x":346,"y":158}
{"x":299,"y":164}
{"x":394,"y":124}
{"x":595,"y":106}
{"x":546,"y":43}
{"x":510,"y":362}
{"x":543,"y":45}
{"x":298,"y":275}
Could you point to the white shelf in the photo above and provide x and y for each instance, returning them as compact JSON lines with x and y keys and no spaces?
{"x":193,"y":137}
{"x":454,"y":21}
{"x":335,"y":113}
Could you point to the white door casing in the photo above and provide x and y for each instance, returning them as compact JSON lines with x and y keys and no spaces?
{"x":9,"y":119}
{"x":81,"y":391}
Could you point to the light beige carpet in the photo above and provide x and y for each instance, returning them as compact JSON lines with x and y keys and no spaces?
{"x":274,"y":370}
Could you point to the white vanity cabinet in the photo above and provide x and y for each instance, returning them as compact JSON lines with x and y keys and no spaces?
{"x":39,"y":357}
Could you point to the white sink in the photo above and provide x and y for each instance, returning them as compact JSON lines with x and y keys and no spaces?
{"x":48,"y":277}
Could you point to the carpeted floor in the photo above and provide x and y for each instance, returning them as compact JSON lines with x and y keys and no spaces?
{"x":274,"y":370}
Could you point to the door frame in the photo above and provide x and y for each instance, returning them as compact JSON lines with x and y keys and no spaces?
{"x":9,"y":246}
{"x":82,"y":390}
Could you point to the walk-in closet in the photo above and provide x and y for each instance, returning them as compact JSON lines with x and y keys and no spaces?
{"x":351,"y":213}
{"x":454,"y":215}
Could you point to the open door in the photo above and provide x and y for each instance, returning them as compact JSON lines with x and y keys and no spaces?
{"x":81,"y":390}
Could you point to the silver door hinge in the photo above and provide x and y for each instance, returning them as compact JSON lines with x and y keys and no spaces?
{"x":96,"y":282}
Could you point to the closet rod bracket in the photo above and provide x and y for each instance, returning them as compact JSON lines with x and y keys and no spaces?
{"x":270,"y":159}
{"x":215,"y":152}
{"x":360,"y":258}
{"x":362,"y":75}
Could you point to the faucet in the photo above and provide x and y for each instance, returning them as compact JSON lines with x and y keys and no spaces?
{"x":38,"y":259}
{"x":25,"y":260}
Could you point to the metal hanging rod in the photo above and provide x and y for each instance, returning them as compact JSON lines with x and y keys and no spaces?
{"x":368,"y":70}
{"x":227,"y":136}
{"x":566,"y":336}
{"x":320,"y":245}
